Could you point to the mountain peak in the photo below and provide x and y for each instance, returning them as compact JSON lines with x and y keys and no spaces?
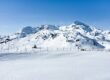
{"x":27,"y":30}
{"x":77,"y":33}
{"x":83,"y":25}
{"x":80,"y":23}
{"x":49,"y":27}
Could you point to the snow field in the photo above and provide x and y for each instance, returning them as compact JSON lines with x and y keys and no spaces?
{"x":82,"y":65}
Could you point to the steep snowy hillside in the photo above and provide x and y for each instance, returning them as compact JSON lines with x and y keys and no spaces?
{"x":77,"y":35}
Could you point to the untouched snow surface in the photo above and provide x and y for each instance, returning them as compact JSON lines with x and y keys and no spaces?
{"x":59,"y":65}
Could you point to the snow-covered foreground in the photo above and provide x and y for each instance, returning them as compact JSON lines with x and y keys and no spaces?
{"x":80,"y":65}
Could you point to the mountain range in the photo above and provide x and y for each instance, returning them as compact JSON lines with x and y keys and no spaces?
{"x":77,"y":35}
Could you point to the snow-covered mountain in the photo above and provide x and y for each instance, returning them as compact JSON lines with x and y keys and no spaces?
{"x":76,"y":35}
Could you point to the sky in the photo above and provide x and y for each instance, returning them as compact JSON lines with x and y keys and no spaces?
{"x":16,"y":14}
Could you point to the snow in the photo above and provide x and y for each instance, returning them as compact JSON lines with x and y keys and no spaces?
{"x":27,"y":30}
{"x":60,"y":40}
{"x":72,"y":52}
{"x":76,"y":35}
{"x":56,"y":65}
{"x":83,"y":26}
{"x":48,"y":27}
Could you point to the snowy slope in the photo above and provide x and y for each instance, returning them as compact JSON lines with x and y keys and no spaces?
{"x":88,"y":65}
{"x":50,"y":52}
{"x":77,"y":35}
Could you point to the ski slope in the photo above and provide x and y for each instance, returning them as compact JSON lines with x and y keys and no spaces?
{"x":56,"y":65}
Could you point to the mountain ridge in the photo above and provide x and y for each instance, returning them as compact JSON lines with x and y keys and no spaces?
{"x":77,"y":35}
